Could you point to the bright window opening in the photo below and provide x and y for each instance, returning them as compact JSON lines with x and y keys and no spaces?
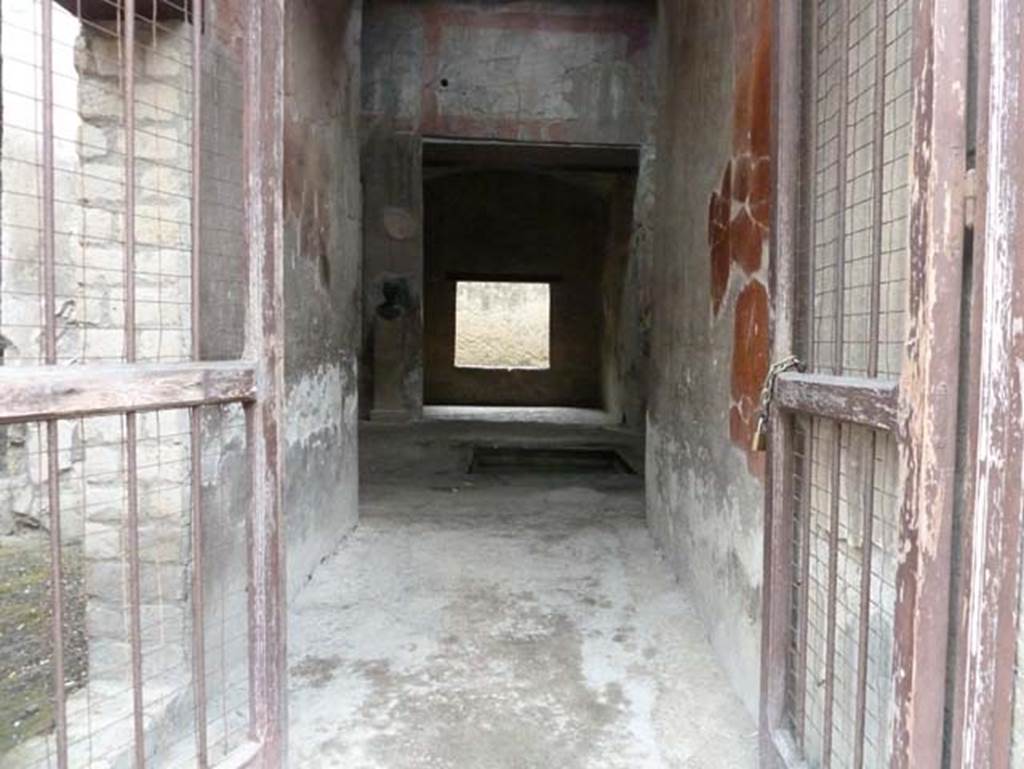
{"x":502,"y":325}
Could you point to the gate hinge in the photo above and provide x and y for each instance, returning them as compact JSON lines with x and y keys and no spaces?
{"x":970,"y":198}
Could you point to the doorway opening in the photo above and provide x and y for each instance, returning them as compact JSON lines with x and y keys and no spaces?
{"x":525,"y":252}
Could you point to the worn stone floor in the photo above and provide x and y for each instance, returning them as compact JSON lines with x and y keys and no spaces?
{"x":503,"y":621}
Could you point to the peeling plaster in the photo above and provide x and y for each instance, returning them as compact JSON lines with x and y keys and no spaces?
{"x":318,"y":404}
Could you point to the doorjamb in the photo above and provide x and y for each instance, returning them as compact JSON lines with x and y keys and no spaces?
{"x":989,"y":616}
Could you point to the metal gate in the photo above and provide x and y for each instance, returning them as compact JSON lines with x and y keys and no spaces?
{"x":867,"y":259}
{"x":140,"y":385}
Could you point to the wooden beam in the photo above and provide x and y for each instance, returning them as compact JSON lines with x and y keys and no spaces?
{"x":493,"y":154}
{"x":501,"y":277}
{"x":930,"y":380}
{"x":870,"y":402}
{"x":264,"y":343}
{"x":64,"y":392}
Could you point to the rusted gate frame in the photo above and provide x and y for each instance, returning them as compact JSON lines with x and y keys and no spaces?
{"x":930,"y":380}
{"x":991,"y":556}
{"x":920,"y":411}
{"x":48,"y":393}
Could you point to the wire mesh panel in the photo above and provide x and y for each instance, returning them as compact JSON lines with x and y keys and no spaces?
{"x":856,"y":202}
{"x":893,"y":218}
{"x":106,"y":621}
{"x":226,"y":490}
{"x":125,"y":581}
{"x":85,"y":104}
{"x":844,"y":493}
{"x":846,"y":522}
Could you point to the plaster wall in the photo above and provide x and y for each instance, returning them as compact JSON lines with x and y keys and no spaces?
{"x":625,"y":295}
{"x":523,"y":71}
{"x":322,"y":210}
{"x":705,"y":490}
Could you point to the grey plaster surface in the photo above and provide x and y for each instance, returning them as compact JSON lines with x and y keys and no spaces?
{"x":502,"y":622}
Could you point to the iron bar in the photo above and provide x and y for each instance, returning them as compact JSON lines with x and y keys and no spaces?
{"x":195,"y":422}
{"x":877,"y":189}
{"x":874,"y":343}
{"x":129,"y":193}
{"x":131,"y":426}
{"x":198,"y":620}
{"x":805,"y":582}
{"x":49,"y":224}
{"x":57,"y":595}
{"x":50,"y":354}
{"x":810,"y":14}
{"x":134,"y":587}
{"x":842,"y":142}
{"x":863,"y":635}
{"x":842,"y":139}
{"x":833,"y":580}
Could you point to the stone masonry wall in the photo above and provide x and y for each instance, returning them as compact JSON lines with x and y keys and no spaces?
{"x":90,"y":314}
{"x":162,"y":284}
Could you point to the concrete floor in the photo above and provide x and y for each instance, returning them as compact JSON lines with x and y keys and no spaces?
{"x":503,"y":621}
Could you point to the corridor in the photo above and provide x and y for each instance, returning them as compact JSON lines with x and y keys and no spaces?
{"x":503,"y":618}
{"x":535,"y":384}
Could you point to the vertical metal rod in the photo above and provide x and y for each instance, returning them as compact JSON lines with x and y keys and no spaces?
{"x":50,"y":351}
{"x":842,"y":145}
{"x":198,"y":624}
{"x":197,"y":166}
{"x":195,"y":424}
{"x":131,"y":426}
{"x":57,"y":594}
{"x":874,"y":343}
{"x":805,"y":583}
{"x":878,"y":172}
{"x":129,"y":168}
{"x":134,"y":587}
{"x":49,"y":268}
{"x":252,"y":437}
{"x":833,"y":581}
{"x":810,"y":176}
{"x":842,"y":130}
{"x":863,"y":636}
